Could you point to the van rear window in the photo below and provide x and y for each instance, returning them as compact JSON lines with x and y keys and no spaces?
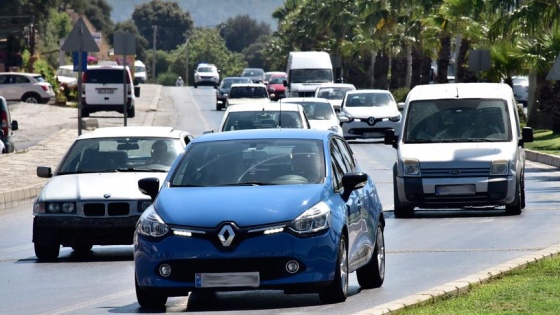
{"x":106,"y":76}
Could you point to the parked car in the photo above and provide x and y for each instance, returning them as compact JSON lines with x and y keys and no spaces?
{"x":369,"y":113}
{"x":264,"y":115}
{"x":296,"y":213}
{"x":268,"y":74}
{"x":7,"y":126}
{"x":223,"y":89}
{"x":256,"y":74}
{"x":334,"y":92}
{"x":243,"y":93}
{"x":91,"y":198}
{"x":25,"y":87}
{"x":65,"y":75}
{"x":276,"y":88}
{"x":521,"y":89}
{"x":319,"y":112}
{"x":103,"y":90}
{"x":461,"y":145}
{"x":206,"y":74}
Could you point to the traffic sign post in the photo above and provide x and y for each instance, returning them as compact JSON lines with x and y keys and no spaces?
{"x":125,"y":44}
{"x":80,"y":40}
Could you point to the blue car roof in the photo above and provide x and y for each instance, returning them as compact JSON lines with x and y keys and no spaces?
{"x":265,"y":134}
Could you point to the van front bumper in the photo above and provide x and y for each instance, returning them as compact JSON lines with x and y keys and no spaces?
{"x":478,"y":191}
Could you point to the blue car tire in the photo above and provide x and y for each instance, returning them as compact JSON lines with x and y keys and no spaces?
{"x":372,"y":275}
{"x":337,"y":291}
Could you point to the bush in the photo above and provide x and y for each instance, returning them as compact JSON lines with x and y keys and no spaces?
{"x":400,"y":94}
{"x":167,"y":78}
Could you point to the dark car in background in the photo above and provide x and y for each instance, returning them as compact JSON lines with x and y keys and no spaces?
{"x":225,"y":86}
{"x":255,"y":74}
{"x":7,"y":125}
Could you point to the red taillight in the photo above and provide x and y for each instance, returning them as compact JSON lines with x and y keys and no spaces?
{"x":5,"y":123}
{"x":45,"y":87}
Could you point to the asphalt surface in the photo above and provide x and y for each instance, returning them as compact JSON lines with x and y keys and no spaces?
{"x":20,"y":184}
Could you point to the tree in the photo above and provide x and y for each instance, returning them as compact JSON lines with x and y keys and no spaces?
{"x":142,"y":44}
{"x":242,"y":31}
{"x":172,"y":23}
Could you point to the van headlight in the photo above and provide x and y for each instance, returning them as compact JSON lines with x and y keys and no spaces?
{"x":315,"y":219}
{"x":411,"y":167}
{"x":150,"y":224}
{"x":499,"y":167}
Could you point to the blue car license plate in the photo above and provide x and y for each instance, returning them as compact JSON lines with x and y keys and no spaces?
{"x":227,"y":279}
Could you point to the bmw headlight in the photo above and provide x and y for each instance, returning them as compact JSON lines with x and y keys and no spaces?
{"x":313,"y":220}
{"x":499,"y":167}
{"x":150,"y":224}
{"x":55,"y":207}
{"x":411,"y":167}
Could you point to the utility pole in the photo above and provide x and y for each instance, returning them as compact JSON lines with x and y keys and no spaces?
{"x":154,"y":55}
{"x":187,"y":61}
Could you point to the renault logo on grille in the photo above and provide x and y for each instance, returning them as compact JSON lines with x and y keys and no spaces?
{"x":454,"y":172}
{"x":226,"y":235}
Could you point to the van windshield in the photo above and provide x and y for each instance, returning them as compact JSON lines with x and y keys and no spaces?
{"x":311,"y":76}
{"x":465,"y":120}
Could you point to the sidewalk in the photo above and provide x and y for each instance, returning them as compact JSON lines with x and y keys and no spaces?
{"x":20,"y":182}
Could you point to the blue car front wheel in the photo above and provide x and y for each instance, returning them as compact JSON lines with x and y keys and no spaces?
{"x":337,"y":291}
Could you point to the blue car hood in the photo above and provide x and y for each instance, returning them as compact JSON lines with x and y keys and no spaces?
{"x":246,"y":206}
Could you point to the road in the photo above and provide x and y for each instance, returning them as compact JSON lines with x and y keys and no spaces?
{"x":431,"y":249}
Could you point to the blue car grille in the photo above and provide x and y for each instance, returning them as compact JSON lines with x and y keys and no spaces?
{"x":268,"y":268}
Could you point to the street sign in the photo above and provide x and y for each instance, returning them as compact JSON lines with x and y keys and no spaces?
{"x":479,"y":60}
{"x":124,"y":44}
{"x":80,"y":39}
{"x":75,"y":61}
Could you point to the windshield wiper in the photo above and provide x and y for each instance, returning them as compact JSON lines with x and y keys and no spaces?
{"x":134,"y":169}
{"x":251,"y":183}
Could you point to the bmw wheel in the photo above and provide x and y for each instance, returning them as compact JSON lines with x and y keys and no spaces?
{"x":149,"y":298}
{"x":46,"y":252}
{"x":372,"y":275}
{"x":337,"y":291}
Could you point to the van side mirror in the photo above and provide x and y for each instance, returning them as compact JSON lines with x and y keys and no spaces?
{"x":391,"y":138}
{"x":137,"y":91}
{"x":15,"y":125}
{"x":526,"y":135}
{"x":285,"y":82}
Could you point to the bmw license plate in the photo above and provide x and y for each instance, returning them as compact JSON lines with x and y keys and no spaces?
{"x":227,"y":279}
{"x":455,"y":190}
{"x":105,"y":91}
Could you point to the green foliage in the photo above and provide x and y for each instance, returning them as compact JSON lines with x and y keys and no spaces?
{"x":167,"y":78}
{"x":98,"y":13}
{"x":142,"y":44}
{"x":400,"y":94}
{"x":171,"y":22}
{"x":242,"y":31}
{"x":59,"y":27}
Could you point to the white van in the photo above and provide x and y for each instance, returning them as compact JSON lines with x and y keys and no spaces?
{"x":306,"y":70}
{"x":140,"y":71}
{"x":103,"y":90}
{"x":460,"y":145}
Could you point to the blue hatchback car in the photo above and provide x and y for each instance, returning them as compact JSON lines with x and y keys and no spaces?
{"x":260,"y":209}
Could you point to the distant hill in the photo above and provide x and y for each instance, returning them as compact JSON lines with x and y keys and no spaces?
{"x":207,"y":12}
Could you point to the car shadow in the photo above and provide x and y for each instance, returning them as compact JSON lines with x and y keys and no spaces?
{"x":96,"y":254}
{"x":482,"y":212}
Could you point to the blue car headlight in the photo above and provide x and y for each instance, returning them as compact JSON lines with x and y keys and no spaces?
{"x":150,"y":224}
{"x":314,"y":219}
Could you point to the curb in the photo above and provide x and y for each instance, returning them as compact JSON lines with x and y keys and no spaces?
{"x":461,"y":286}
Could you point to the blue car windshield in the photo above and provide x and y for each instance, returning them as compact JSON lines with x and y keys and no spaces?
{"x":251,"y":162}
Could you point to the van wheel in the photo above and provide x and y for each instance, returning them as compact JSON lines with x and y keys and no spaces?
{"x":85,"y":113}
{"x":401,"y":211}
{"x":523,"y":193}
{"x":218,"y":106}
{"x":514,"y":208}
{"x":195,"y":85}
{"x":131,"y":112}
